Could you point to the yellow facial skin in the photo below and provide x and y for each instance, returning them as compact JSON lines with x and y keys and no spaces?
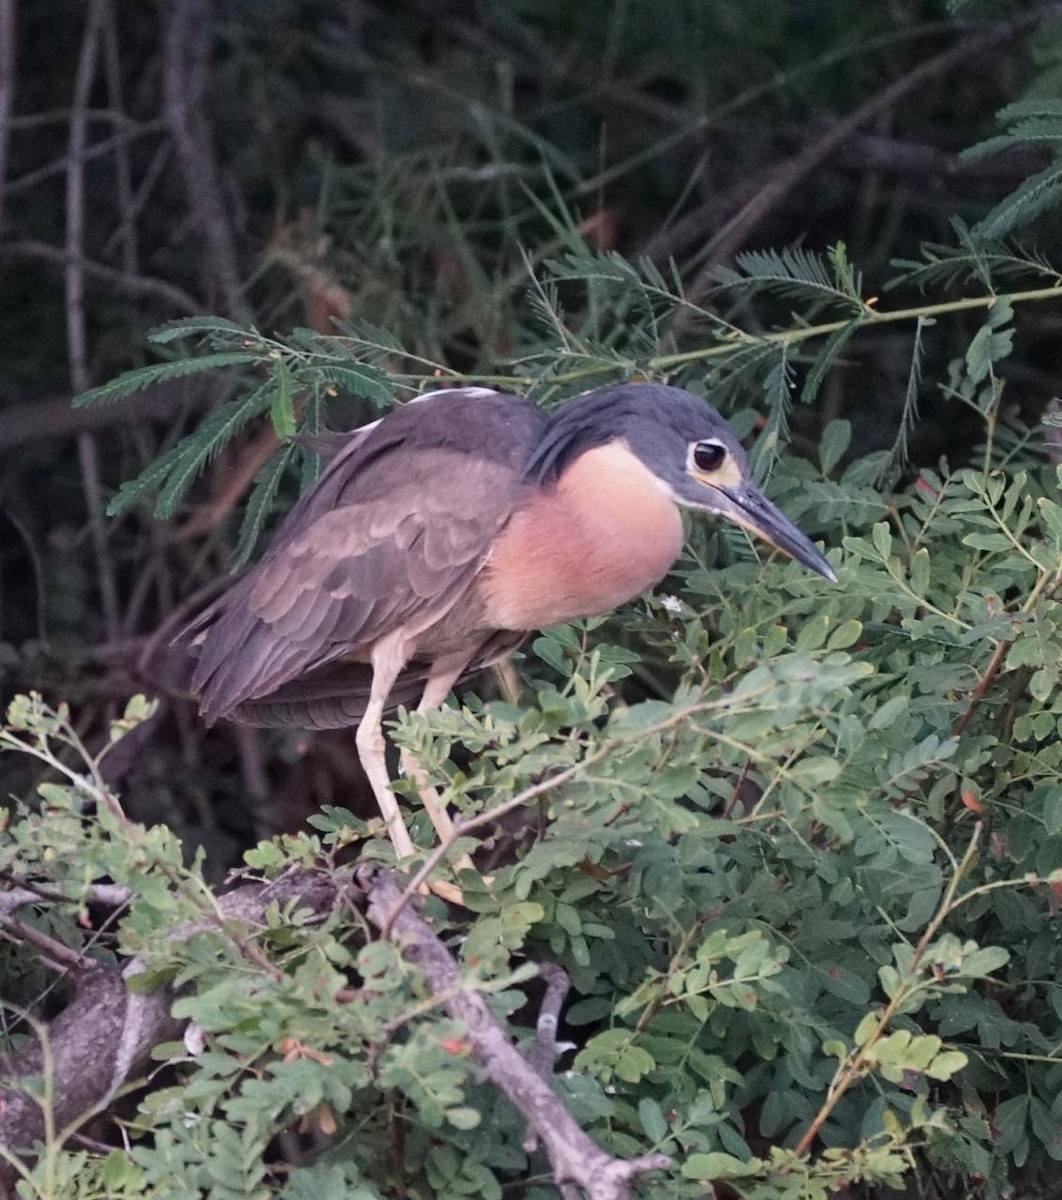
{"x":726,"y":475}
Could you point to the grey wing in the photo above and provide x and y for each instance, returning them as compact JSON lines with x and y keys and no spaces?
{"x":347,"y":576}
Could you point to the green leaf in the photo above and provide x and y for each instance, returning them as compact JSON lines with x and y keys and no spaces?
{"x":145,"y":377}
{"x":282,"y":410}
{"x":1053,"y":812}
{"x":988,"y":347}
{"x":882,"y":539}
{"x":463,"y":1117}
{"x":652,"y":1118}
{"x":260,"y":503}
{"x":846,"y":634}
{"x":714,"y":1166}
{"x":836,"y":438}
{"x":946,"y":1064}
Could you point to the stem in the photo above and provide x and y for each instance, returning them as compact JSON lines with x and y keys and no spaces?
{"x":870,"y":318}
{"x":857,"y":1066}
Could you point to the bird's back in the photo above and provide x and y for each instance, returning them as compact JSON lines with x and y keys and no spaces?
{"x":395,"y":530}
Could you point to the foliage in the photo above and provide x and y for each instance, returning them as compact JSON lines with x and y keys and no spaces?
{"x":798,"y":844}
{"x":1031,"y":122}
{"x":807,"y":892}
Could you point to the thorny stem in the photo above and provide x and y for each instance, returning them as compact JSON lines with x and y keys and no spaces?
{"x":850,"y":1071}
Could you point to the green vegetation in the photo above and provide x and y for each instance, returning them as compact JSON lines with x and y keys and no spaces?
{"x":797,"y":845}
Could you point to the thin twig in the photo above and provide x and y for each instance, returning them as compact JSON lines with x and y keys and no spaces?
{"x":101,"y":149}
{"x":852,"y":1070}
{"x":75,"y":311}
{"x":542,"y":1053}
{"x":58,"y":955}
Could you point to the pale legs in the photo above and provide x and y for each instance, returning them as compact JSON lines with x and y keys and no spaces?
{"x":389,"y":655}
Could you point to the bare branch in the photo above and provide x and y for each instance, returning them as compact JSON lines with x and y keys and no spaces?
{"x":75,"y":309}
{"x":186,"y":48}
{"x":52,"y":417}
{"x":126,"y":281}
{"x":577,"y":1160}
{"x":104,"y":1038}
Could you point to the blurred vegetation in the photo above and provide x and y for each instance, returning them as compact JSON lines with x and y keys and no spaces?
{"x":802,"y":861}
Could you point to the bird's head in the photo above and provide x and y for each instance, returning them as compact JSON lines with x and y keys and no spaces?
{"x":686,"y":445}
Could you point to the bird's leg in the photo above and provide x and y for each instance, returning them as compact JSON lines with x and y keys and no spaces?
{"x":388,"y":657}
{"x":508,"y":678}
{"x":445,"y":673}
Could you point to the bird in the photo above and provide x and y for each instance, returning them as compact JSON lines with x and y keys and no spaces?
{"x":439,"y":536}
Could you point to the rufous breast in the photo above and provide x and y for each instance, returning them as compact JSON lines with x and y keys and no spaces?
{"x":605,"y":532}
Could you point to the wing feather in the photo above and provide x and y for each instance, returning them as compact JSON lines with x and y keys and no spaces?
{"x":392,"y":535}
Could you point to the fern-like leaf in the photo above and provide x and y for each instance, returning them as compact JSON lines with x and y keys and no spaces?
{"x":794,"y":272}
{"x":196,"y":326}
{"x":778,"y":391}
{"x":359,"y":379}
{"x":1034,"y":121}
{"x":260,"y":503}
{"x":826,"y":357}
{"x":144,"y":377}
{"x":897,"y":457}
{"x":149,"y":480}
{"x":198,"y":448}
{"x":312,"y":424}
{"x":1032,"y":197}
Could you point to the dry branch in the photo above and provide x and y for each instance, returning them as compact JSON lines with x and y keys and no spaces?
{"x":186,"y":50}
{"x":47,"y":417}
{"x":575,"y":1158}
{"x":103,"y":1039}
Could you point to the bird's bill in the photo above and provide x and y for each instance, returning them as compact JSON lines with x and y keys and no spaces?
{"x":748,"y":507}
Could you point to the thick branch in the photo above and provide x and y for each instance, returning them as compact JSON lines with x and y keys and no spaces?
{"x":54,"y":417}
{"x":575,"y":1158}
{"x":103,"y":1039}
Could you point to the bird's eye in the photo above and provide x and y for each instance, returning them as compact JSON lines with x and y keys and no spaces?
{"x":708,"y":456}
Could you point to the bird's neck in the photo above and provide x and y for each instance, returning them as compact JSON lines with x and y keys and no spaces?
{"x":605,"y":532}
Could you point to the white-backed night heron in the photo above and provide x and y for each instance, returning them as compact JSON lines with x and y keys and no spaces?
{"x":439,"y":536}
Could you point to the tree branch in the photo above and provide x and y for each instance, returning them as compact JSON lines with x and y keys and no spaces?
{"x":575,"y":1158}
{"x":104,"y":1038}
{"x":185,"y":52}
